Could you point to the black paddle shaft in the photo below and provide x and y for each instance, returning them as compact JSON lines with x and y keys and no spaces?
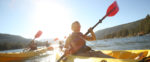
{"x":100,"y":21}
{"x":61,"y":58}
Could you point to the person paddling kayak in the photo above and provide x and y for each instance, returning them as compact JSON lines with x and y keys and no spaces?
{"x":76,"y":44}
{"x":33,"y":45}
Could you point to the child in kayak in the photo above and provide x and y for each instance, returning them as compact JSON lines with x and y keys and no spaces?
{"x":76,"y":44}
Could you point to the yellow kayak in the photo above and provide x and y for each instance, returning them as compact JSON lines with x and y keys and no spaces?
{"x":21,"y":55}
{"x":119,"y":56}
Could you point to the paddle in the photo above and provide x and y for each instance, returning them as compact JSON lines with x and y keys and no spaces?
{"x":37,"y":35}
{"x":111,"y":11}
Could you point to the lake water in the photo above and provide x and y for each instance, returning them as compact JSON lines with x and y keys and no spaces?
{"x":129,"y":43}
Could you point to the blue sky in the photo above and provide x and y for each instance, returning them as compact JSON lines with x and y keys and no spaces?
{"x":54,"y":17}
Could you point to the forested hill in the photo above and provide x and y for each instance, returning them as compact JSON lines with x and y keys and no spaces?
{"x":8,"y":41}
{"x":137,"y":28}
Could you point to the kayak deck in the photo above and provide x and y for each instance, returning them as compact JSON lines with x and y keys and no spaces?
{"x":96,"y":59}
{"x":127,"y":54}
{"x":119,"y":56}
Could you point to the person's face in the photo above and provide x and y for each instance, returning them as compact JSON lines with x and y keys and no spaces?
{"x":76,"y":27}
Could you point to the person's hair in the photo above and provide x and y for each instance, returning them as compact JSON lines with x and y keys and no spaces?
{"x":73,"y":24}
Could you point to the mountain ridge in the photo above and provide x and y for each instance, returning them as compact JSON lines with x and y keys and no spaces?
{"x":139,"y":27}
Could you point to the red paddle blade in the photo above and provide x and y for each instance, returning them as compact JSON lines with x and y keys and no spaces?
{"x":38,"y":34}
{"x":112,"y":9}
{"x":55,"y":39}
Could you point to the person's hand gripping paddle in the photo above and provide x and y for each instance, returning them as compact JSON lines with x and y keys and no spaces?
{"x":37,"y":35}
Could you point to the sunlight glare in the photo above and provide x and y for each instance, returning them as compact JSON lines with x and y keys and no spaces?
{"x":52,"y":18}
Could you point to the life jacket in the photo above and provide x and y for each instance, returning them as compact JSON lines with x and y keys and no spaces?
{"x":33,"y":47}
{"x":76,"y":41}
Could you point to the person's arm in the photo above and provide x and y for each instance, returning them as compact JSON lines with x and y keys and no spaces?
{"x":90,"y":38}
{"x":67,"y":42}
{"x":67,"y":46}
